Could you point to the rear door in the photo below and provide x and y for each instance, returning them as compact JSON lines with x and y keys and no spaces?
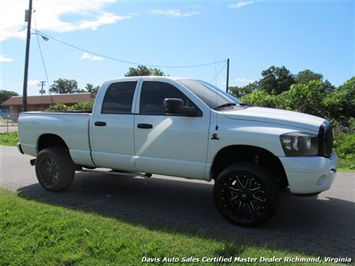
{"x":169,"y":144}
{"x":112,"y":132}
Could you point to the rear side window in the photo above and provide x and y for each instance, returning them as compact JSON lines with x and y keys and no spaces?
{"x":118,"y":98}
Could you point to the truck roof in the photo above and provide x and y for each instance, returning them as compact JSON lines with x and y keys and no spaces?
{"x":145,"y":77}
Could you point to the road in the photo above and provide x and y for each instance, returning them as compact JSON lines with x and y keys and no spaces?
{"x":317,"y":226}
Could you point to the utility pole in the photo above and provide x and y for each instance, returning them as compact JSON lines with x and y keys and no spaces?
{"x":42,"y":83}
{"x":227,"y":82}
{"x":28,"y":17}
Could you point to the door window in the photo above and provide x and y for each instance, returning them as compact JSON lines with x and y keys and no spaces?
{"x":118,"y":98}
{"x":153,"y":95}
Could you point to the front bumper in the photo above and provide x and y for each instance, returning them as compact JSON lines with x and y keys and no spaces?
{"x":310,"y":175}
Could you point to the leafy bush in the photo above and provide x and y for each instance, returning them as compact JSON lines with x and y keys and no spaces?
{"x":260,"y":98}
{"x":344,"y":144}
{"x":58,"y":107}
{"x":9,"y":139}
{"x":82,"y":106}
{"x":305,"y":98}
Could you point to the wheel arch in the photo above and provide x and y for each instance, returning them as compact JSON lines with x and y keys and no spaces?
{"x":50,"y":140}
{"x":240,"y":153}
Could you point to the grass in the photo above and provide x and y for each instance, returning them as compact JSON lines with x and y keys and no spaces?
{"x":9,"y":139}
{"x":37,"y":233}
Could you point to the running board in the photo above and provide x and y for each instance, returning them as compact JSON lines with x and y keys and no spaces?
{"x":112,"y":172}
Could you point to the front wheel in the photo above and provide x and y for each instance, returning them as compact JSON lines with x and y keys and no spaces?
{"x":246,"y":194}
{"x":55,"y":169}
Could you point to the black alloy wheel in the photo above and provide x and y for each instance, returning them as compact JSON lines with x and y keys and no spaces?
{"x":246,"y":194}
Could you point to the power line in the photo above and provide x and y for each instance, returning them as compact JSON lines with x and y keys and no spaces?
{"x":224,"y":66}
{"x":40,"y":50}
{"x":124,"y":61}
{"x":44,"y":65}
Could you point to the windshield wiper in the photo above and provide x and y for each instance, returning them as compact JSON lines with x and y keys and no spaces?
{"x":246,"y":104}
{"x":225,"y":105}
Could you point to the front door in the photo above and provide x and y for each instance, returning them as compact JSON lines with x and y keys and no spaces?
{"x":169,"y":144}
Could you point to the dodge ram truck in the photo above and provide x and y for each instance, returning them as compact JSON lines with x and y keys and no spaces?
{"x":191,"y":129}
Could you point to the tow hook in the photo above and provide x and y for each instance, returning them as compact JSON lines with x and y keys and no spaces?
{"x":33,"y":162}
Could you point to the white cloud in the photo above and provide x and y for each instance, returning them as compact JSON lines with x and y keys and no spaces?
{"x":5,"y":59}
{"x":58,"y":16}
{"x":87,"y":56}
{"x":32,"y":83}
{"x":174,"y":13}
{"x":241,"y":4}
{"x":244,"y":80}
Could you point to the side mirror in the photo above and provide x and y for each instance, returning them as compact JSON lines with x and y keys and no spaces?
{"x":176,"y":106}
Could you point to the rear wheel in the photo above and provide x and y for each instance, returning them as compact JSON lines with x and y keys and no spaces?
{"x":246,"y":194}
{"x":55,"y":169}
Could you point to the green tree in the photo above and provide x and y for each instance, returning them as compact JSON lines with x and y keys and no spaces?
{"x":235,"y":91}
{"x":63,"y":86}
{"x":4,"y":95}
{"x":241,"y":91}
{"x":90,"y":88}
{"x":260,"y":98}
{"x":340,"y":104}
{"x":143,"y":71}
{"x":305,"y":76}
{"x":276,"y":80}
{"x":306,"y":98}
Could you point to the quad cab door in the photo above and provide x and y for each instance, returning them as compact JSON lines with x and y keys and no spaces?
{"x":112,"y":129}
{"x":165,"y":143}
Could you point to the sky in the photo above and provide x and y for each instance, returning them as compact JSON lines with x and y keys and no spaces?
{"x":91,"y":41}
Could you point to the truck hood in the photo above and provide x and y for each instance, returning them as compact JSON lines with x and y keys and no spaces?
{"x":277,"y":117}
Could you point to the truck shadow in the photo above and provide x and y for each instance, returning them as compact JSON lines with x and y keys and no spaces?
{"x":314,"y":226}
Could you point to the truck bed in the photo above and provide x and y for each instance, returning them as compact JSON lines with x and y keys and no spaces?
{"x":72,"y":127}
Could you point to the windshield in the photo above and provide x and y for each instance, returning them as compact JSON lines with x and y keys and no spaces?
{"x":210,"y":94}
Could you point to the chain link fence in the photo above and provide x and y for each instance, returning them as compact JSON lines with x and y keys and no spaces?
{"x":8,"y":123}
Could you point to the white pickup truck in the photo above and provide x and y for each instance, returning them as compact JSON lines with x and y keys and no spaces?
{"x":191,"y":129}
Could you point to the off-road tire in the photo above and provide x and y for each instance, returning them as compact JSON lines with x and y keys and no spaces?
{"x":55,"y":169}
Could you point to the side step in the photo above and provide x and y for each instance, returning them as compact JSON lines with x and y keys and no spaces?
{"x":114,"y":172}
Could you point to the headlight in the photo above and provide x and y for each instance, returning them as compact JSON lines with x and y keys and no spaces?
{"x":299,"y":144}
